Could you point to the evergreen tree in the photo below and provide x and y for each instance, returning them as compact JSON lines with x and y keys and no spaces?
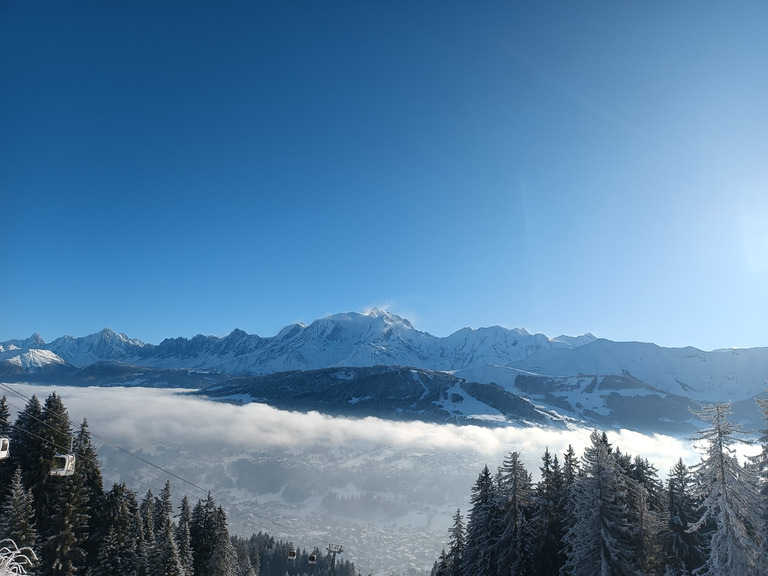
{"x":243,"y":551}
{"x":548,"y":520}
{"x":440,"y":567}
{"x":167,"y":561}
{"x":645,"y":509}
{"x":117,"y":553}
{"x":478,"y":558}
{"x":7,"y":468}
{"x":456,"y":546}
{"x":683,"y":549}
{"x":62,"y":554}
{"x":57,"y":438}
{"x":599,"y":541}
{"x":647,"y":526}
{"x":163,"y":509}
{"x":761,"y":469}
{"x":5,"y":419}
{"x":729,"y":499}
{"x":17,"y":521}
{"x":514,"y":497}
{"x":28,"y":450}
{"x":570,"y":467}
{"x":109,"y":558}
{"x":183,"y":543}
{"x":223,"y":559}
{"x":200,"y":531}
{"x":144,"y":547}
{"x":88,"y":464}
{"x":148,"y":539}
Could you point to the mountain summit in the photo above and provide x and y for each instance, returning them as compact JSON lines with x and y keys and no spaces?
{"x":608,"y":383}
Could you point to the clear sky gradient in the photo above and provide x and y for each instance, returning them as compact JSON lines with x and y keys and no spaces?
{"x":175,"y":168}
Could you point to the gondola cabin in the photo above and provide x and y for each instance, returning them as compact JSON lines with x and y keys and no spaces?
{"x":63,"y":465}
{"x":5,"y":448}
{"x":312,"y":558}
{"x":292,"y":553}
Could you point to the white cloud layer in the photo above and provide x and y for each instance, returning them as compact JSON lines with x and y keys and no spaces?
{"x":145,"y":418}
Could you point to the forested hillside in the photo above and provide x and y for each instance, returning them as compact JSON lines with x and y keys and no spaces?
{"x":608,"y":513}
{"x":69,"y":524}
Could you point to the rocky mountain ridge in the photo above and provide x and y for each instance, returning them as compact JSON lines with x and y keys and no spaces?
{"x":611,"y":384}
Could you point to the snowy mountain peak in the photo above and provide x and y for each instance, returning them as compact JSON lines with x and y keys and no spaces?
{"x":291,"y":330}
{"x":36,"y":341}
{"x":388,"y":318}
{"x":35,"y":360}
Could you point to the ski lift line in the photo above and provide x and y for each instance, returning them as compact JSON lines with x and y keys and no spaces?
{"x":113,"y":444}
{"x":245,"y":521}
{"x":46,"y":440}
{"x":103,"y":439}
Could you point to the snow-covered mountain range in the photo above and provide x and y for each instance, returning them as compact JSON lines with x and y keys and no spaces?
{"x":582,"y":376}
{"x":349,"y":339}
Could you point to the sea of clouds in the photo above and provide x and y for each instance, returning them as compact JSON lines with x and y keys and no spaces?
{"x":143,"y":418}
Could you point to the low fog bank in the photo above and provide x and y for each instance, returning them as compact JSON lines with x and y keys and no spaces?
{"x":385,"y":490}
{"x":143,"y":418}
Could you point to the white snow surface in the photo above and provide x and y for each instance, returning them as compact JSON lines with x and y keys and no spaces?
{"x":35,"y":359}
{"x":378,"y":337}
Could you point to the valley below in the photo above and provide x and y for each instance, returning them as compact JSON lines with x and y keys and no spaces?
{"x":384,"y":490}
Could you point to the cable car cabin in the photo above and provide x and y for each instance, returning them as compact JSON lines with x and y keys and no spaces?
{"x":5,"y":448}
{"x":312,"y":558}
{"x":63,"y":465}
{"x":292,"y":553}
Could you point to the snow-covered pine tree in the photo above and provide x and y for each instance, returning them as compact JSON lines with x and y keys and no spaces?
{"x":514,"y":497}
{"x":57,"y":438}
{"x":730,"y":500}
{"x":117,"y":553}
{"x":598,"y":543}
{"x":88,"y":464}
{"x":165,"y":555}
{"x":548,"y":517}
{"x":478,"y":558}
{"x":7,"y":469}
{"x":440,"y":567}
{"x":762,"y":471}
{"x":212,"y":551}
{"x":201,"y":535}
{"x":183,"y":543}
{"x":5,"y":417}
{"x":456,"y":545}
{"x":62,"y":553}
{"x":163,"y":509}
{"x":144,"y":547}
{"x":223,"y":559}
{"x":166,"y":559}
{"x":109,"y":558}
{"x":17,"y":522}
{"x":28,"y":451}
{"x":148,"y":540}
{"x":244,"y":566}
{"x":682,"y":549}
{"x":646,"y":511}
{"x":571,"y":466}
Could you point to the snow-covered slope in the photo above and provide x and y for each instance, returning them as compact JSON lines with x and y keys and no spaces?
{"x":582,"y":376}
{"x":348,"y":339}
{"x":104,"y":345}
{"x":704,"y":376}
{"x":35,"y":360}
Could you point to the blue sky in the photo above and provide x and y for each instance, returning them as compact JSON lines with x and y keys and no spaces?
{"x":174,"y":168}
